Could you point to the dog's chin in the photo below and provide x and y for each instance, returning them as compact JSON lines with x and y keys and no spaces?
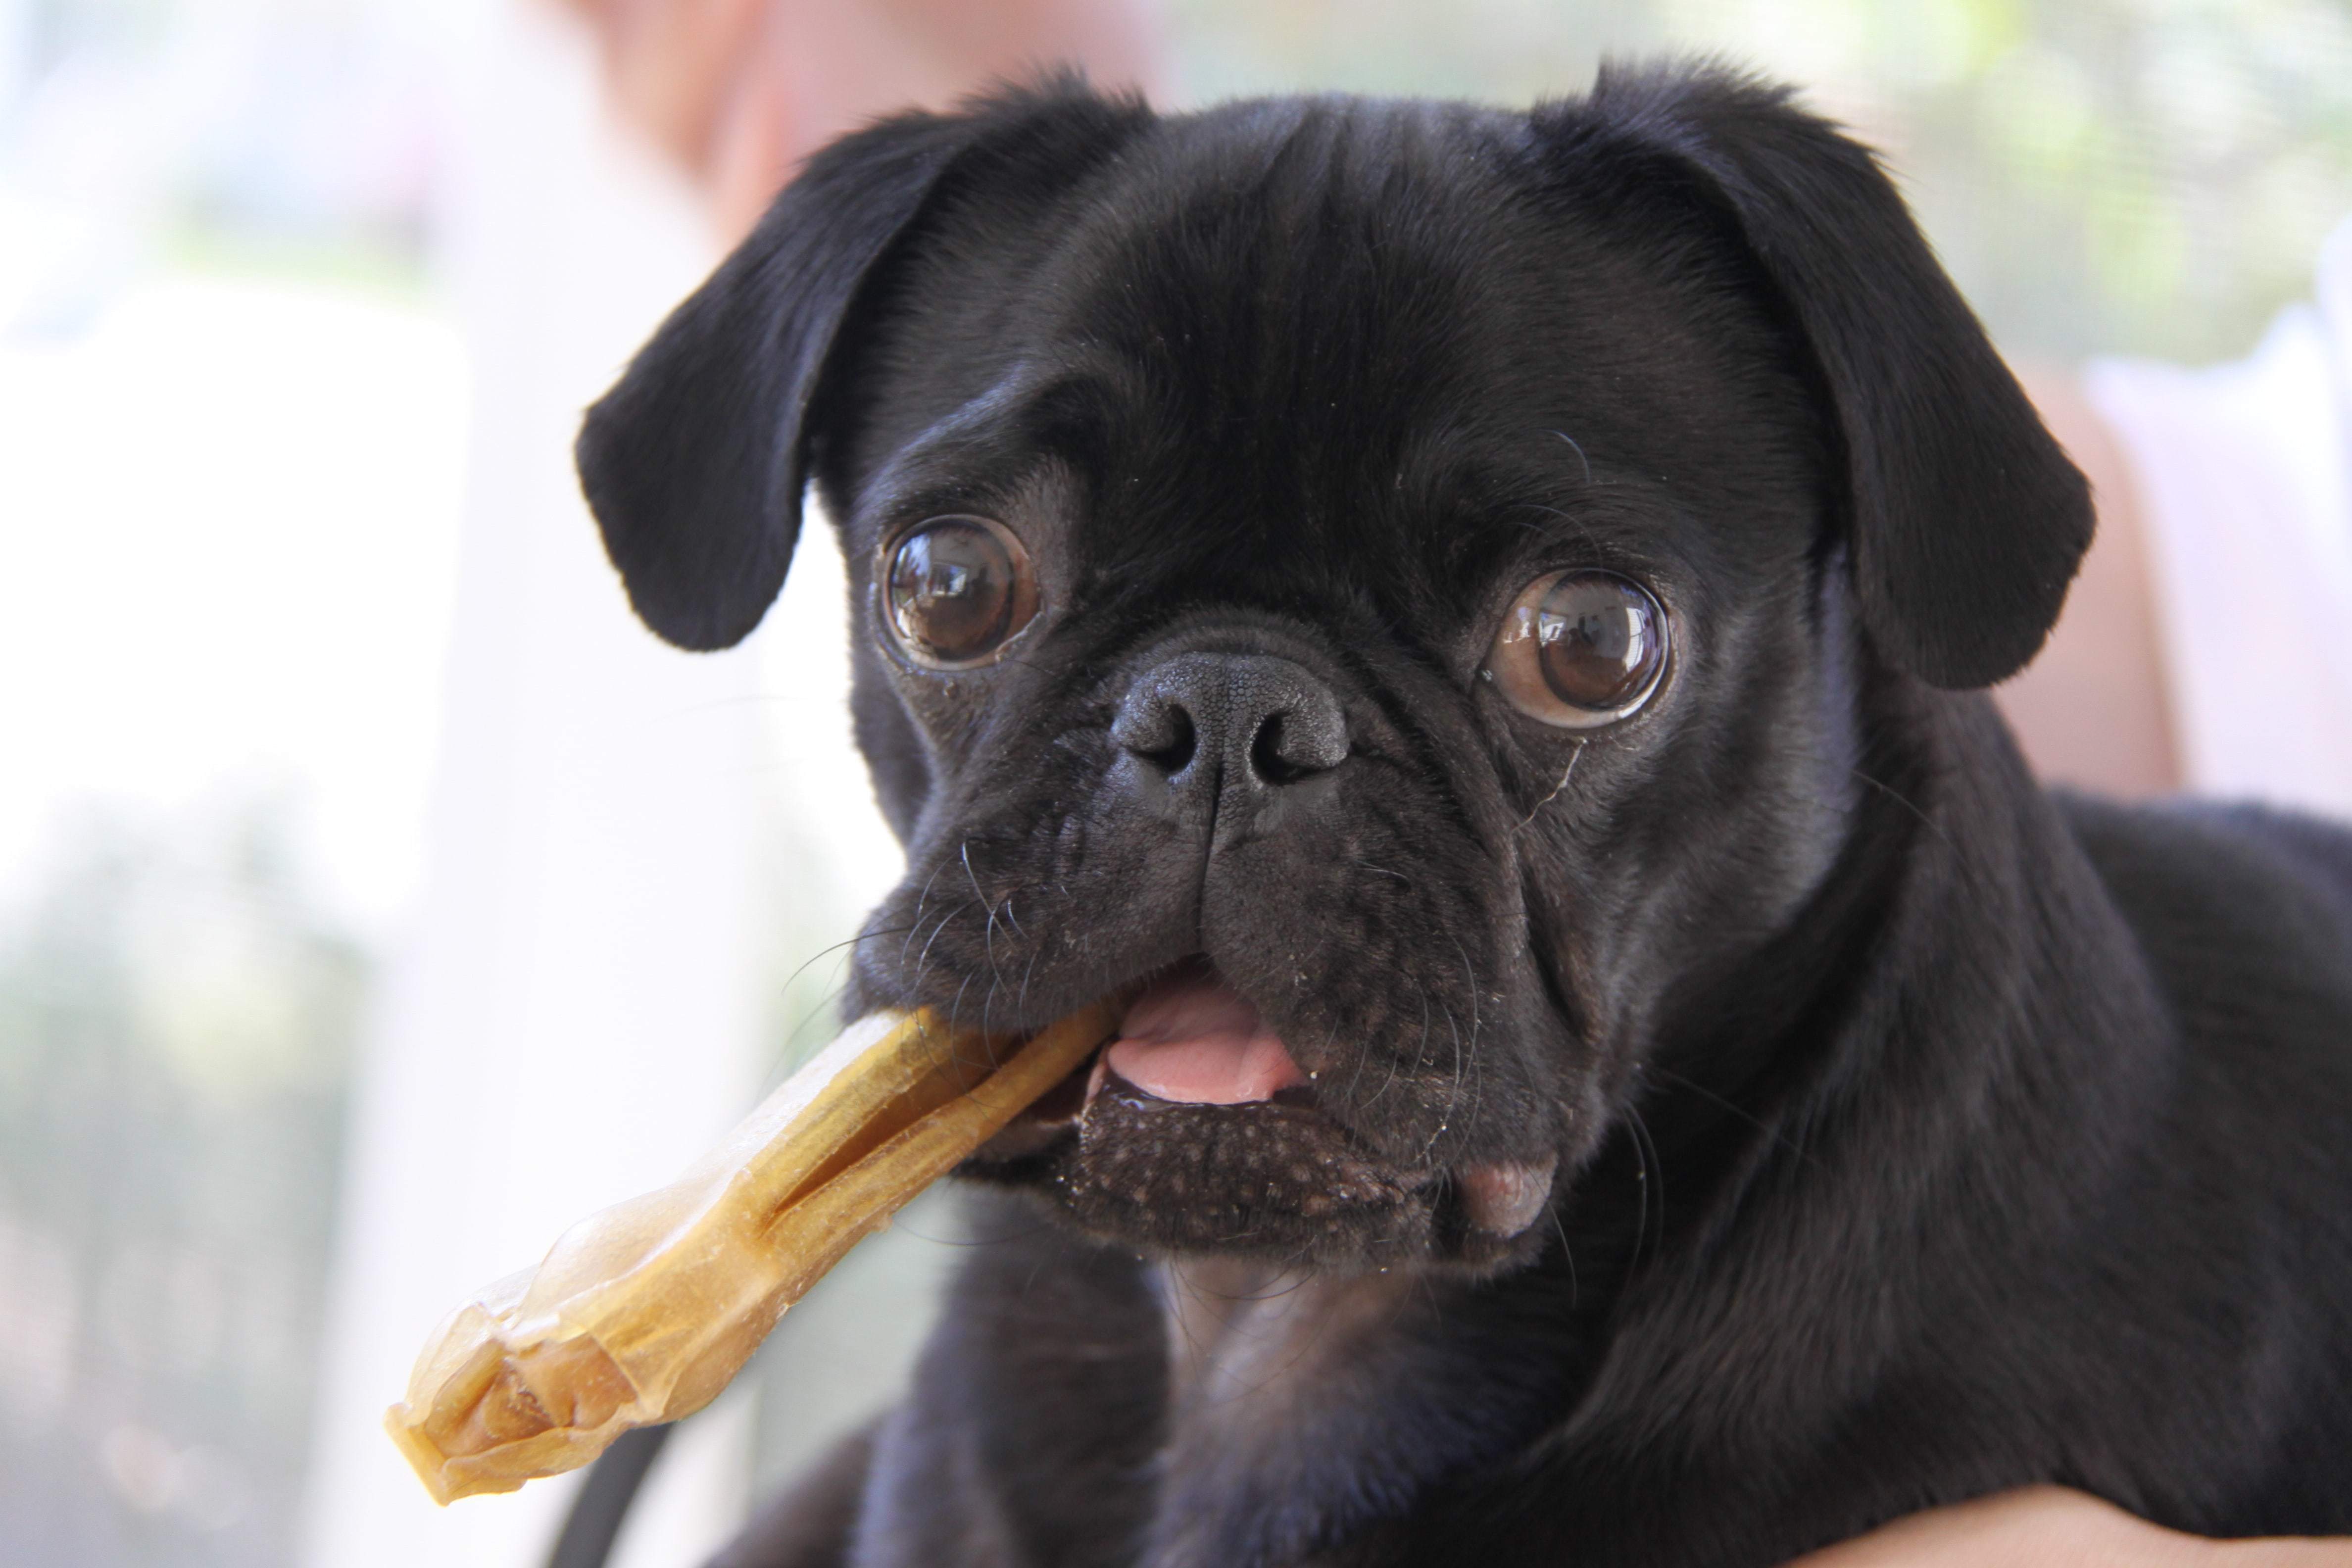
{"x":1193,"y":1130}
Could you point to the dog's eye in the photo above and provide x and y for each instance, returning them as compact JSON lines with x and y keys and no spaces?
{"x":959,"y":588}
{"x":1580,"y":650}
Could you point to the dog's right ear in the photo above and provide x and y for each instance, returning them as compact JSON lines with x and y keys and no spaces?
{"x":694,"y":461}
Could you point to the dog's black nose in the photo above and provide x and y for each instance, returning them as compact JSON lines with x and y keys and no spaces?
{"x":1207,"y":724}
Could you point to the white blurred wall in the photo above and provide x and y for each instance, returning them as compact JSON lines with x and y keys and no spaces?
{"x":578,"y":1010}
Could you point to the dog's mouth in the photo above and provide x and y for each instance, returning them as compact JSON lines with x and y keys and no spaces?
{"x":1190,"y":1038}
{"x":1194,"y":1127}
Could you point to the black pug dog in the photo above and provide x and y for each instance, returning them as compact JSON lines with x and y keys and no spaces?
{"x":1472,"y":623}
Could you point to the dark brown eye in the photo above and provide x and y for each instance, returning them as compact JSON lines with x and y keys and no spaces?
{"x":957,"y":589}
{"x":1580,"y":650}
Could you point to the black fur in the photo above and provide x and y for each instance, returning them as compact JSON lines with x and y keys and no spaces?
{"x":1918,"y":1134}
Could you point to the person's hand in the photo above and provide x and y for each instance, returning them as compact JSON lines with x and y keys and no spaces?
{"x":740,"y":90}
{"x":2048,"y":1527}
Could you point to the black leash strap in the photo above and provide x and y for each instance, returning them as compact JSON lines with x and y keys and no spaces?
{"x":604,"y":1498}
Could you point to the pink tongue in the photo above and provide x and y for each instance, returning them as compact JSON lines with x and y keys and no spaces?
{"x":1193,"y":1039}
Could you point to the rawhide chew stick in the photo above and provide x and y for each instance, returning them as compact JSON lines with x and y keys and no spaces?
{"x":642,"y":1313}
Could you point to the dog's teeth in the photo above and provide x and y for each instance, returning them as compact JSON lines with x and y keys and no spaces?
{"x":1503,"y":1197}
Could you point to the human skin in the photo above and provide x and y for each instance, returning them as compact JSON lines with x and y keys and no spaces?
{"x":2091,"y":709}
{"x":738,"y":91}
{"x":2049,"y":1527}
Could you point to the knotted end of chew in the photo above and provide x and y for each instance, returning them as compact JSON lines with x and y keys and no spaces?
{"x":642,"y":1313}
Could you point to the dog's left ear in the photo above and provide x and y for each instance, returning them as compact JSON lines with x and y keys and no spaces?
{"x":694,"y":461}
{"x":1965,"y":520}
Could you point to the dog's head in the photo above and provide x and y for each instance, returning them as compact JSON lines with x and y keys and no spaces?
{"x":1389,"y":588}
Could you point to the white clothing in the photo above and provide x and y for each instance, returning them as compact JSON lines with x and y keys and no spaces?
{"x":2244,"y":474}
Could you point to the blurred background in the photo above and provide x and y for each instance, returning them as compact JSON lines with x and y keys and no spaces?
{"x":375,"y":897}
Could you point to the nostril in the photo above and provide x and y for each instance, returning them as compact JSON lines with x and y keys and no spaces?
{"x":1173,"y":754}
{"x":1289,"y":746}
{"x":1159,"y":730}
{"x":1267,"y":759}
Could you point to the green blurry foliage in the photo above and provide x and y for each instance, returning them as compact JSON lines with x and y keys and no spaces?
{"x":2139,"y":176}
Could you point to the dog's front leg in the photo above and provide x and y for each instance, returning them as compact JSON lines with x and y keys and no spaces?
{"x":811,"y":1523}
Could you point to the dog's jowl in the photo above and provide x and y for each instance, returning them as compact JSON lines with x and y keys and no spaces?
{"x":1470,"y":626}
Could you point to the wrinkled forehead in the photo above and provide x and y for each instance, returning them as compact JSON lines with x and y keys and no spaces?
{"x":1317,"y":322}
{"x":1313,"y":275}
